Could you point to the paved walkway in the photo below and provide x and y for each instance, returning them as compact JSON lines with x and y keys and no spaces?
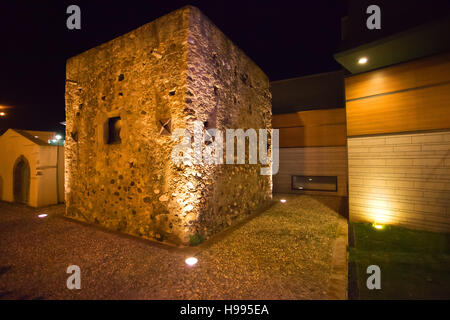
{"x":285,"y":252}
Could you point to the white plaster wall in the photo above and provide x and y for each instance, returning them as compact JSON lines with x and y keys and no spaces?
{"x":12,"y":146}
{"x":47,"y":186}
{"x":42,"y":161}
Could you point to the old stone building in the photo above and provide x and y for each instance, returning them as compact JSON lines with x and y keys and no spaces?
{"x":124,"y":99}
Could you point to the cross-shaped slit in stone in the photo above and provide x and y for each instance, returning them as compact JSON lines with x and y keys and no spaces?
{"x":166,"y":128}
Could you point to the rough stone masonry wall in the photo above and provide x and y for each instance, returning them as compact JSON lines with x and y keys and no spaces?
{"x":141,"y":77}
{"x":226,"y":90}
{"x":166,"y":69}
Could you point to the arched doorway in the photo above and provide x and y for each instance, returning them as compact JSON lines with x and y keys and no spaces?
{"x":21,"y":180}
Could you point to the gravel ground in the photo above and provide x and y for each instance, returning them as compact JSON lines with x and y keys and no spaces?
{"x":283,"y":253}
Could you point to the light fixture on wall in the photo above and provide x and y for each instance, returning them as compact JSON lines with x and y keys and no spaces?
{"x":2,"y":114}
{"x":283,"y":200}
{"x":363,"y":60}
{"x":42,"y":215}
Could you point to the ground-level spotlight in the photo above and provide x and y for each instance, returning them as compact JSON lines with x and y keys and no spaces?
{"x":378,"y":226}
{"x":283,"y":200}
{"x":191,"y":261}
{"x":42,"y":215}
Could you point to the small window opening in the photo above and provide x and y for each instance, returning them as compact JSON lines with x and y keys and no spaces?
{"x":314,"y":183}
{"x":114,"y":127}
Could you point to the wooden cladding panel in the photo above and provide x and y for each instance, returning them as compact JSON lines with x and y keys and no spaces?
{"x":331,"y":135}
{"x":311,"y":128}
{"x":419,"y":73}
{"x":408,"y":97}
{"x":420,"y":109}
{"x":309,"y":118}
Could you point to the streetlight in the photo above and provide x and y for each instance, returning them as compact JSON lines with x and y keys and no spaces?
{"x":57,"y":140}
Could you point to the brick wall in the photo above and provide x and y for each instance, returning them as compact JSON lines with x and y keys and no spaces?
{"x":401,"y":179}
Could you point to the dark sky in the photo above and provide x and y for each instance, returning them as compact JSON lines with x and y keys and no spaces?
{"x":285,"y":38}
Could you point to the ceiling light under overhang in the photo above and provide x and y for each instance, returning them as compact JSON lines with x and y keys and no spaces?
{"x":362,"y":60}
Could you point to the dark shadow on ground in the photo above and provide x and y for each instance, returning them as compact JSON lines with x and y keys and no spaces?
{"x":335,"y":203}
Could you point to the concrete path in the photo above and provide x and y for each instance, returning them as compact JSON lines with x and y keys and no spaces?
{"x":285,"y":252}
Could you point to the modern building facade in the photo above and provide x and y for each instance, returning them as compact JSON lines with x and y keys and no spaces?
{"x":309,"y":113}
{"x":393,"y":128}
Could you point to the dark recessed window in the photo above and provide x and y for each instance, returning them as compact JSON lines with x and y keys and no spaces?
{"x":114,"y":126}
{"x":314,"y":183}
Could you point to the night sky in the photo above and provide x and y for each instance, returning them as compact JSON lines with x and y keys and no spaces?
{"x":286,"y":39}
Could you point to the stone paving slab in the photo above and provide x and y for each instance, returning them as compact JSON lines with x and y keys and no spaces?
{"x":337,"y":289}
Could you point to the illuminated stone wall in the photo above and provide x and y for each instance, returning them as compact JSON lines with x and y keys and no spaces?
{"x":181,"y":68}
